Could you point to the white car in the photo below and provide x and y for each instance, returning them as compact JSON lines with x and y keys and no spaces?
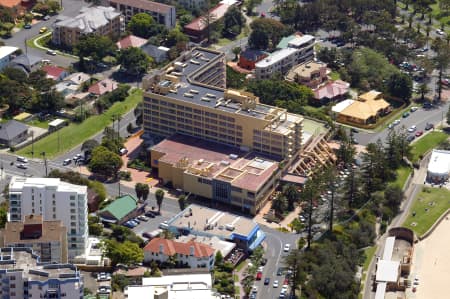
{"x":22,"y":165}
{"x":414,"y":108}
{"x":412,"y":128}
{"x":287,"y":247}
{"x":143,"y":218}
{"x":275,"y":283}
{"x":260,"y":269}
{"x":396,"y":122}
{"x":255,"y":289}
{"x":440,"y":32}
{"x":284,"y":289}
{"x":22,"y":159}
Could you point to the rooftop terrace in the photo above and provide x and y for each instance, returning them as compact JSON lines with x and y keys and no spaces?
{"x":199,"y":218}
{"x":212,"y":160}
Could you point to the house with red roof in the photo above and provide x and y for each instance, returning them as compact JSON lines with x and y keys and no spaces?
{"x":197,"y":30}
{"x":55,"y":72}
{"x":102,"y":87}
{"x":192,"y":254}
{"x":131,"y":41}
{"x":16,"y":6}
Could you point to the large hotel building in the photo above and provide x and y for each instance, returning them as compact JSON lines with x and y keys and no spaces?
{"x":224,"y":144}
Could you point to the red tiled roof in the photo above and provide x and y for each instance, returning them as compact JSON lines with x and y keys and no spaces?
{"x":171,"y":247}
{"x":217,"y":12}
{"x":331,"y":90}
{"x":146,"y":5}
{"x":102,"y":87}
{"x":131,"y":41}
{"x":10,"y":3}
{"x":52,"y":71}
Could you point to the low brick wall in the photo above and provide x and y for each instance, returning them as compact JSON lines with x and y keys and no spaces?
{"x":433,"y":227}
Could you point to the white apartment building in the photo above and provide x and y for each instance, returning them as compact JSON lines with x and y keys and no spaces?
{"x":54,"y":200}
{"x":192,"y":254}
{"x":299,"y":50}
{"x":23,"y":276}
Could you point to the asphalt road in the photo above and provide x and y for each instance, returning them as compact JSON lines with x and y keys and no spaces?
{"x":419,"y":118}
{"x":71,"y":9}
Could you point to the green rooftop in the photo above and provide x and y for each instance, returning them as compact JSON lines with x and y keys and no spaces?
{"x":283,"y":44}
{"x":121,"y":207}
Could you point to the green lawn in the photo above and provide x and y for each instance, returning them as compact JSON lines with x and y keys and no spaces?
{"x":426,"y":143}
{"x":429,"y":204}
{"x":38,"y":123}
{"x":402,"y":174}
{"x":440,"y":16}
{"x":74,"y":134}
{"x":369,"y":252}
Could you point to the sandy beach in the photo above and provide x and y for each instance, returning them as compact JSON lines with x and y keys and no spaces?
{"x":432,"y":258}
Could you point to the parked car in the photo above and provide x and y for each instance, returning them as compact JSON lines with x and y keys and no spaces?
{"x":51,"y":52}
{"x":43,"y":30}
{"x":287,"y":247}
{"x":258,"y":276}
{"x":280,"y":271}
{"x":143,"y":218}
{"x":414,"y":108}
{"x":412,"y":128}
{"x":267,"y":281}
{"x":419,"y":133}
{"x":104,"y":290}
{"x":123,"y":151}
{"x":275,"y":284}
{"x":429,"y":126}
{"x":396,"y":122}
{"x":263,"y":261}
{"x":405,"y":115}
{"x":22,"y":159}
{"x":27,"y":26}
{"x":22,"y":165}
{"x":103,"y":276}
{"x":427,"y":105}
{"x":46,"y":18}
{"x":410,"y":138}
{"x":150,"y":214}
{"x":67,"y":162}
{"x":440,"y":32}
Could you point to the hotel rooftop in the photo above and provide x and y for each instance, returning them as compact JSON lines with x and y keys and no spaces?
{"x":185,"y":80}
{"x":247,"y":170}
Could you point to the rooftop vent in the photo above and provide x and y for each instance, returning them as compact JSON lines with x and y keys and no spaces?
{"x":233,"y":156}
{"x":225,"y":163}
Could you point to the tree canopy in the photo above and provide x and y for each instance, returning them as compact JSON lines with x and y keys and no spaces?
{"x":94,"y":46}
{"x":127,"y":253}
{"x":104,"y":162}
{"x":134,"y":61}
{"x":143,"y":25}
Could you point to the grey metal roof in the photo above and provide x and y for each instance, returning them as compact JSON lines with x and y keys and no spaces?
{"x":11,"y":129}
{"x":89,"y":19}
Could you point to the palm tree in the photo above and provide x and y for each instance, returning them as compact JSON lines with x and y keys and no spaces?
{"x":279,"y":204}
{"x":292,"y":195}
{"x":159,"y":195}
{"x":236,"y":52}
{"x":423,"y":89}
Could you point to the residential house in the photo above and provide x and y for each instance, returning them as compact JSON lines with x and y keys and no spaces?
{"x":310,"y":73}
{"x":131,"y":41}
{"x":7,"y":53}
{"x":120,"y":210}
{"x":197,"y":30}
{"x":54,"y":200}
{"x":158,"y":53}
{"x":363,"y":111}
{"x":46,"y":238}
{"x":55,"y":72}
{"x":102,"y":87}
{"x":98,"y":20}
{"x":331,"y":91}
{"x":192,"y":254}
{"x":25,"y":62}
{"x":162,"y":13}
{"x":77,"y":78}
{"x":17,"y":7}
{"x":13,"y":133}
{"x":24,"y":275}
{"x":249,"y":57}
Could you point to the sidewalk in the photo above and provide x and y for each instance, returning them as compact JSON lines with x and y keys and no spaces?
{"x":259,"y":218}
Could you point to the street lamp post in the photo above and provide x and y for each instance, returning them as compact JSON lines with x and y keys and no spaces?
{"x":32,"y":144}
{"x":45,"y":163}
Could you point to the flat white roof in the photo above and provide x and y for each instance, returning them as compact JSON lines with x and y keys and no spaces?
{"x":298,"y":41}
{"x":201,"y":281}
{"x":275,"y":57}
{"x":342,"y":105}
{"x":388,"y":248}
{"x":439,"y":162}
{"x":387,"y":271}
{"x":224,"y":247}
{"x":56,"y":122}
{"x":138,"y":292}
{"x":18,"y":183}
{"x":381,"y":290}
{"x":7,"y":50}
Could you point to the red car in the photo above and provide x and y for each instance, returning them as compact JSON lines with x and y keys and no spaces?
{"x":258,"y":276}
{"x":419,"y":133}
